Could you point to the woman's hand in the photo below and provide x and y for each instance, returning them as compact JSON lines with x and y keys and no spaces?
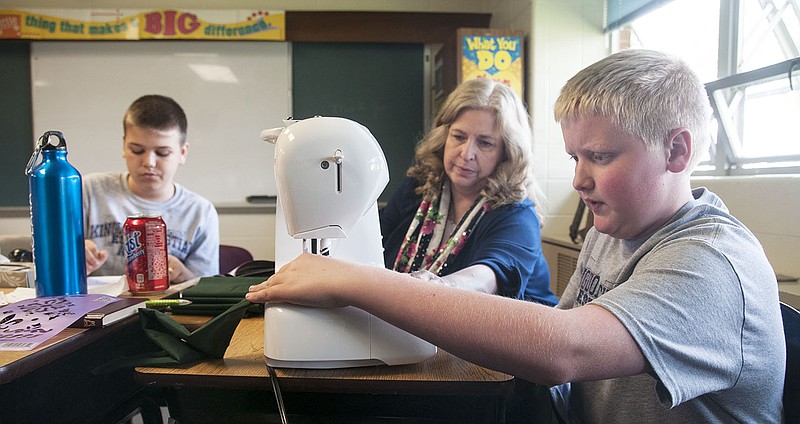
{"x":178,"y":272}
{"x":311,"y":280}
{"x":95,"y":258}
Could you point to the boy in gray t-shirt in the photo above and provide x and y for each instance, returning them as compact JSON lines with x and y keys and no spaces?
{"x":690,"y":284}
{"x":672,"y":314}
{"x":154,"y":146}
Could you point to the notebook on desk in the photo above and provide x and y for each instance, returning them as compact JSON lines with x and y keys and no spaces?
{"x":30,"y":322}
{"x":111,"y":313}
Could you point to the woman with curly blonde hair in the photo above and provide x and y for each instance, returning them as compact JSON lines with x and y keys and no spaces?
{"x":466,"y":212}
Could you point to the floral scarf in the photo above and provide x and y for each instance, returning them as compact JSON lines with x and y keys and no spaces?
{"x":422,"y":247}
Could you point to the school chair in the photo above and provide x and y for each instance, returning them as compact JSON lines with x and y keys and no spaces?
{"x":791,"y":385}
{"x":231,"y":257}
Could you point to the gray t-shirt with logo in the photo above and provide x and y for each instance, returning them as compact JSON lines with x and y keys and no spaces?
{"x":701,"y":300}
{"x":192,"y":223}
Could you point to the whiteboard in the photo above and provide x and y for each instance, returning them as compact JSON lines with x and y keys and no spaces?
{"x":84,"y":88}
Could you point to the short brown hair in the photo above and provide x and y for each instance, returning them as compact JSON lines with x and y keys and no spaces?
{"x":157,"y":112}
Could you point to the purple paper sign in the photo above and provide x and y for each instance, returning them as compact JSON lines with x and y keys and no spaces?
{"x":26,"y":324}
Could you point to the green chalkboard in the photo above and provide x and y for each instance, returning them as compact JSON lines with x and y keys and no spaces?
{"x":377,"y":85}
{"x":16,"y":128}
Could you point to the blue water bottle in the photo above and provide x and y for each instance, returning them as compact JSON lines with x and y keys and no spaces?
{"x":56,"y":200}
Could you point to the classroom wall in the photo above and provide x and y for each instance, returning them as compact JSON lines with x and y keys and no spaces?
{"x":563,"y":37}
{"x":768,"y":205}
{"x":250,"y":227}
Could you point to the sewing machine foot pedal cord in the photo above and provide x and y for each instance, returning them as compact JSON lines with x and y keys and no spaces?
{"x":277,"y":390}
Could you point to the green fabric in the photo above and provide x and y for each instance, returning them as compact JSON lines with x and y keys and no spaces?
{"x":213,"y":295}
{"x":225,"y":287}
{"x":221,"y":297}
{"x":179,"y":346}
{"x":205,"y":309}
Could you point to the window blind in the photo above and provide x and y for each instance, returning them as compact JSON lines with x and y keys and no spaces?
{"x":620,"y":12}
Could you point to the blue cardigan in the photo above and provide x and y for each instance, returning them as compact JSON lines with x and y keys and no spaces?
{"x":507,"y":240}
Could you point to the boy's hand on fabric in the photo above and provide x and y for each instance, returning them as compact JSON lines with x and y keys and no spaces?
{"x":95,"y":258}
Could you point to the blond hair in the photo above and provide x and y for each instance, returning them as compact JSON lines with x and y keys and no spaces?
{"x":512,"y":179}
{"x":646,"y":93}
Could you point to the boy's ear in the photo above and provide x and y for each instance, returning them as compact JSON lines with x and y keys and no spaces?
{"x":680,"y":150}
{"x":184,"y":152}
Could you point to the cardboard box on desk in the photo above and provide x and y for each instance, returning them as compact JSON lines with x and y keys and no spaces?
{"x":17,"y":274}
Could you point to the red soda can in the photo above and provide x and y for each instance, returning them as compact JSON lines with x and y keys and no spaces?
{"x":146,"y":252}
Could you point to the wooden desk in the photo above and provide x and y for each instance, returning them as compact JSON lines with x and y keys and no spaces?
{"x":15,"y":364}
{"x":53,"y":383}
{"x":443,"y":387}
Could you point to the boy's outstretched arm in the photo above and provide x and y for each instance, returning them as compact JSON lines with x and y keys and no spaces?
{"x":535,"y":342}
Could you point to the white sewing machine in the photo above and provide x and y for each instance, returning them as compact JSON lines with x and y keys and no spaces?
{"x":330,"y":172}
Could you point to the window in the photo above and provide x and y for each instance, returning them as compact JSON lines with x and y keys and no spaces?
{"x":757,"y":114}
{"x":748,"y":52}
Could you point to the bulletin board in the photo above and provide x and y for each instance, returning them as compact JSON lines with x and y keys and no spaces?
{"x":230,"y":91}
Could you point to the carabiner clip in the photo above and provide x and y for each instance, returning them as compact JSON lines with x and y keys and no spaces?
{"x":44,"y":139}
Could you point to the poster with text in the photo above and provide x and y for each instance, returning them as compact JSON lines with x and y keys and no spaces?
{"x":162,"y":24}
{"x":492,"y":53}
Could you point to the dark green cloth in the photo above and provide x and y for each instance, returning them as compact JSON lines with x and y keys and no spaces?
{"x":213,"y":295}
{"x":221,"y":297}
{"x":179,"y":345}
